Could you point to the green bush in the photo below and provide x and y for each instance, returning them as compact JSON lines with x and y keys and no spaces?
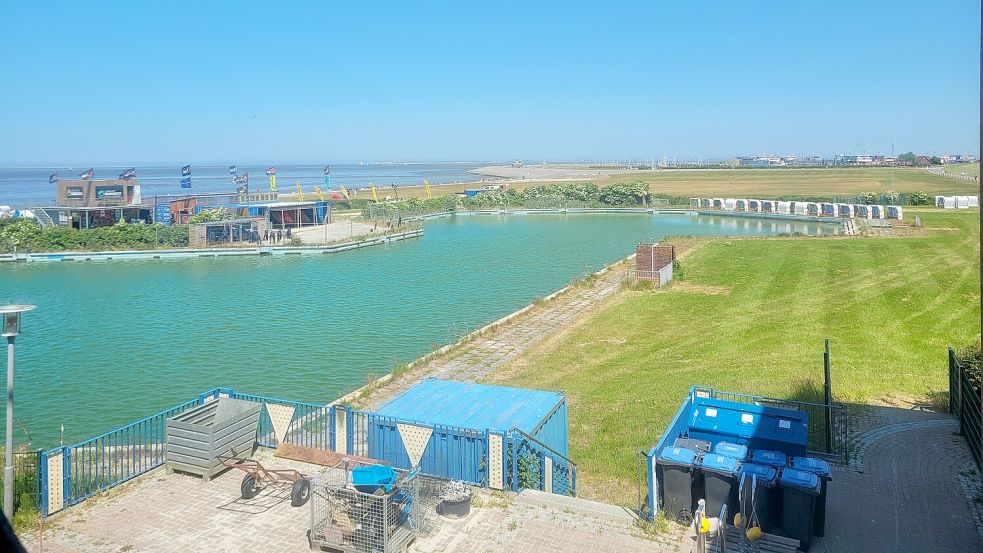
{"x":26,"y":235}
{"x":919,"y":198}
{"x":210,"y":215}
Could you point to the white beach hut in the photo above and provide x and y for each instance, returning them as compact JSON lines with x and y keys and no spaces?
{"x":730,"y":204}
{"x":894,"y":212}
{"x":861,"y":211}
{"x":800,"y":208}
{"x":844,"y":210}
{"x":962,"y":202}
{"x":940,"y":201}
{"x":827,"y":209}
{"x":705,"y":203}
{"x":813,"y":208}
{"x":767,"y":206}
{"x":974,"y":201}
{"x":754,"y":206}
{"x":876,"y":212}
{"x":783,"y":207}
{"x":694,"y":202}
{"x":741,"y":205}
{"x":717,"y":203}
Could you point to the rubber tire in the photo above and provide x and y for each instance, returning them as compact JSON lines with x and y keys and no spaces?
{"x":248,"y":488}
{"x":300,"y":493}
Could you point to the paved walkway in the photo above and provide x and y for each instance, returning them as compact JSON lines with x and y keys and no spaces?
{"x":475,"y":359}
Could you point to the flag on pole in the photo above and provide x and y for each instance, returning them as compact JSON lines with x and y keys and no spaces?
{"x":273,"y":182}
{"x":233,"y":170}
{"x":186,"y":171}
{"x":128,"y":174}
{"x":300,"y":192}
{"x":426,"y":184}
{"x":375,"y":197}
{"x":53,"y":178}
{"x":241,"y":179}
{"x":327,"y":169}
{"x":320,"y":195}
{"x":344,"y":192}
{"x":87,"y":175}
{"x":186,"y":182}
{"x":271,"y":170}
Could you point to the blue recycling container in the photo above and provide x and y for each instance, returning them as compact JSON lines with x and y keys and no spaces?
{"x":699,"y":446}
{"x":769,"y":458}
{"x":800,"y":489}
{"x":371,"y":478}
{"x":821,"y":469}
{"x":678,"y":482}
{"x":720,"y":484}
{"x":758,"y":495}
{"x":737,"y":451}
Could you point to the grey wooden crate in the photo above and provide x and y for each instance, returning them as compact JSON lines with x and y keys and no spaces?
{"x":196,"y":437}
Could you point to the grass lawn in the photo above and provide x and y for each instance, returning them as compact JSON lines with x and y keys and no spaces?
{"x":972,"y":169}
{"x":750,"y":315}
{"x":774,"y":182}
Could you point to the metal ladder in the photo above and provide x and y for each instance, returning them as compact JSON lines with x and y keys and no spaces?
{"x":43,"y":219}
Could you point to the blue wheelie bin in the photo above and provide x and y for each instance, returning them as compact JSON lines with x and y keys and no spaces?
{"x":800,"y":490}
{"x":678,"y":482}
{"x":758,"y":493}
{"x":737,"y":451}
{"x":821,"y":469}
{"x":720,"y":484}
{"x":769,"y":458}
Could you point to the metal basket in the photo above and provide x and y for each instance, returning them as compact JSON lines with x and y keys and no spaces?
{"x":345,"y":519}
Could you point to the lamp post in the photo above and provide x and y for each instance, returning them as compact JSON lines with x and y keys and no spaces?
{"x":11,"y":329}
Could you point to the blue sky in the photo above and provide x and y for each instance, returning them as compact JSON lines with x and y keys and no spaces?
{"x":140,"y":82}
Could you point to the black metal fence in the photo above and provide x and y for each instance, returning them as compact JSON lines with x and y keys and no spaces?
{"x":964,"y":404}
{"x":27,"y":481}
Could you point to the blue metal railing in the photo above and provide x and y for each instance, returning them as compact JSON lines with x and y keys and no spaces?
{"x":312,"y":424}
{"x":110,"y":459}
{"x":526,"y":466}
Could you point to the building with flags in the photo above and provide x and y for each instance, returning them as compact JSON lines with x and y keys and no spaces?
{"x":90,"y":203}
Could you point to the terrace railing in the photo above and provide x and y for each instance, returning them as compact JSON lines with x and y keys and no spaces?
{"x":964,"y":404}
{"x":71,"y":474}
{"x":536,"y":466}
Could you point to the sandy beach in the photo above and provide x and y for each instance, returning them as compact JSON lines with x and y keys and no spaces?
{"x":546,"y":172}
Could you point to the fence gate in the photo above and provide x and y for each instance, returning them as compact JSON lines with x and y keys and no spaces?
{"x":964,"y":404}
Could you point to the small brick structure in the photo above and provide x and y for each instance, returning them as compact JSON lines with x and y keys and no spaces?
{"x":654,"y":262}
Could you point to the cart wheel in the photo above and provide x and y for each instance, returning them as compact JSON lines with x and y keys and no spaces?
{"x":249,"y":488}
{"x":300,"y":493}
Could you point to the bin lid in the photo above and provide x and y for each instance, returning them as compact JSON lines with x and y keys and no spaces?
{"x":811,"y":464}
{"x":766,"y":475}
{"x":800,"y":479}
{"x":719,"y":463}
{"x":729,"y":449}
{"x":692,"y":443}
{"x":678,"y":455}
{"x":768,"y":457}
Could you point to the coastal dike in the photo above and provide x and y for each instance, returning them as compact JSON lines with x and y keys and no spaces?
{"x":208,"y":252}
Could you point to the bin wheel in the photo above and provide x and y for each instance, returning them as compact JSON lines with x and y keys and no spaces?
{"x":249,"y":488}
{"x":300,"y":493}
{"x":685,"y":517}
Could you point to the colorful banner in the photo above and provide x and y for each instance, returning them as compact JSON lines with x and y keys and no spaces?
{"x":86,"y":175}
{"x":272,"y":181}
{"x":300,"y":192}
{"x":241,"y":179}
{"x":344,"y":192}
{"x":53,"y":178}
{"x":426,"y":184}
{"x":128,"y":174}
{"x":320,"y":195}
{"x":375,"y":197}
{"x":186,"y":171}
{"x":186,"y":182}
{"x":271,"y":170}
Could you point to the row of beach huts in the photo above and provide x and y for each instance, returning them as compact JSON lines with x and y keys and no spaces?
{"x":957,"y":202}
{"x":809,"y":209}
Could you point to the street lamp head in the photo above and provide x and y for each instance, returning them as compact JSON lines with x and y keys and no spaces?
{"x":11,"y":318}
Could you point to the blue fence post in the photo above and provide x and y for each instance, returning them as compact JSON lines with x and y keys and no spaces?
{"x":44,"y":482}
{"x":349,"y":430}
{"x":331,"y":428}
{"x":66,"y":459}
{"x":515,"y":464}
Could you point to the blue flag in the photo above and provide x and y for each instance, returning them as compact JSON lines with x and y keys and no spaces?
{"x":186,"y":182}
{"x":52,"y":178}
{"x":327,"y":169}
{"x":233,"y":170}
{"x":186,"y":171}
